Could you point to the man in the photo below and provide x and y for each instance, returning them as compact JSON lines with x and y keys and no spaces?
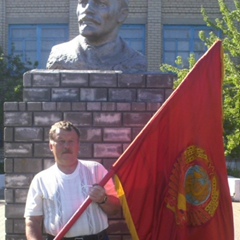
{"x":57,"y":192}
{"x":98,"y":46}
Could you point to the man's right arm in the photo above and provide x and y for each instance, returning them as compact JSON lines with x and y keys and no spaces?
{"x":34,"y":227}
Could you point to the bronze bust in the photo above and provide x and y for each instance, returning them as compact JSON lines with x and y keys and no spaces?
{"x":98,"y":45}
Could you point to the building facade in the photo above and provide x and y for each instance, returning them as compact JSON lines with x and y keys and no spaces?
{"x":160,"y":29}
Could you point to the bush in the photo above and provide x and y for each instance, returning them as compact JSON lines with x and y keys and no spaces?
{"x":234,"y":172}
{"x":11,"y":84}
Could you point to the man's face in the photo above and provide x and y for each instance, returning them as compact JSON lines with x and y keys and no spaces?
{"x":99,"y":19}
{"x":65,"y":147}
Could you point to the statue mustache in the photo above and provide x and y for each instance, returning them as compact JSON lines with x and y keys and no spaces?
{"x":90,"y":20}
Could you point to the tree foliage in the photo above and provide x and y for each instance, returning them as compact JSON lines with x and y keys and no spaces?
{"x":11,"y":82}
{"x":228,"y":24}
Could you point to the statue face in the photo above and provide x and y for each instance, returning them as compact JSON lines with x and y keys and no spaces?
{"x":99,"y":20}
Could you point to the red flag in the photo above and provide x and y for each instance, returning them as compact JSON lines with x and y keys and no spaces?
{"x":172,"y":179}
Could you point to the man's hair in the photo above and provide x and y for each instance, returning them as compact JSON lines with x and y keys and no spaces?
{"x":65,"y":125}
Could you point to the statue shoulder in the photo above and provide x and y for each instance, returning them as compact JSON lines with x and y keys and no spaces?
{"x":135,"y":62}
{"x":63,"y":53}
{"x":70,"y":46}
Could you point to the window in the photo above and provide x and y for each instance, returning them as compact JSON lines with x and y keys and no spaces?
{"x":135,"y":36}
{"x":34,"y":42}
{"x":181,"y":41}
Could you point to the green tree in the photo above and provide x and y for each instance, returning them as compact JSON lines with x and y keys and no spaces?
{"x":11,"y":82}
{"x":228,"y":24}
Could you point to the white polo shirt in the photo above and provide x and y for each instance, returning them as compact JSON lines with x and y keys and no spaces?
{"x":57,"y":196}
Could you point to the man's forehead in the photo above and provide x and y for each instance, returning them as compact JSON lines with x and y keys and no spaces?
{"x":60,"y":131}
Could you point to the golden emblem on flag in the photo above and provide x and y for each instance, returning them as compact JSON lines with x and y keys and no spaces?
{"x":193,"y":193}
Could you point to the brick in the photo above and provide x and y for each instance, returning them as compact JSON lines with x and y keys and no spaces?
{"x":109,"y":106}
{"x":168,"y":92}
{"x":86,"y":150}
{"x":28,"y":134}
{"x":49,"y":106}
{"x":91,"y":134}
{"x":8,"y":165}
{"x":79,"y":106}
{"x":19,"y":226}
{"x":36,"y":95}
{"x":27,"y":79}
{"x":27,"y":165}
{"x":9,"y":196}
{"x":160,"y":80}
{"x":74,"y":79}
{"x":8,"y":134}
{"x":18,"y":181}
{"x":122,"y":95}
{"x":14,"y":210}
{"x":151,"y":95}
{"x":64,"y":106}
{"x":136,"y":106}
{"x":131,"y":80}
{"x":125,"y":146}
{"x":18,"y":150}
{"x":48,"y":163}
{"x":34,"y":106}
{"x":93,"y":106}
{"x":65,"y":94}
{"x":10,"y":106}
{"x":46,"y":79}
{"x":93,"y":94}
{"x":107,"y":163}
{"x":21,"y":195}
{"x":153,"y":106}
{"x":107,"y":150}
{"x":16,"y":236}
{"x":9,"y":226}
{"x":22,"y":106}
{"x":79,"y":118}
{"x":123,"y":106}
{"x":107,"y":119}
{"x":136,"y":131}
{"x":42,"y":150}
{"x":136,"y":119}
{"x":46,"y":118}
{"x":117,"y":134}
{"x":46,"y":134}
{"x":103,"y":79}
{"x":17,"y":119}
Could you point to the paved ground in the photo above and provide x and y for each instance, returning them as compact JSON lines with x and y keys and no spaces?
{"x":236,"y":212}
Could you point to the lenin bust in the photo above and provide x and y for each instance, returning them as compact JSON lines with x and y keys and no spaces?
{"x":98,"y":45}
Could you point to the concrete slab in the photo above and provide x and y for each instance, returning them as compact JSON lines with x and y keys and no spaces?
{"x":234,"y":187}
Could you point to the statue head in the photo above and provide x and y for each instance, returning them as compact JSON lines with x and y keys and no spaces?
{"x":99,"y":20}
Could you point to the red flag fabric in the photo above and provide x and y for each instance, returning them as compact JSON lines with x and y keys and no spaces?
{"x":172,"y":179}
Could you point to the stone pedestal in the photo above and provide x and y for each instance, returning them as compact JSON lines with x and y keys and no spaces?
{"x":109,"y":108}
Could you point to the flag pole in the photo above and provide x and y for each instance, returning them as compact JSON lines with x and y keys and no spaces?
{"x":82,"y":208}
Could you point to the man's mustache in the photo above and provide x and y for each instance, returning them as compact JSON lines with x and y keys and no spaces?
{"x":66,"y":152}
